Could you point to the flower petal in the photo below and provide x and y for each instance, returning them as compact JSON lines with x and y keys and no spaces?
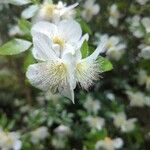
{"x":100,"y":49}
{"x":48,"y":76}
{"x":70,"y":30}
{"x":44,"y":27}
{"x":42,"y":47}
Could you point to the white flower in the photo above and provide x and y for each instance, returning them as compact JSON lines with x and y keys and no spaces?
{"x":142,"y":77}
{"x":136,"y":26}
{"x":59,"y":142}
{"x":10,"y":140}
{"x":39,"y":134}
{"x":109,"y":144}
{"x":93,"y":106}
{"x":49,"y":12}
{"x":136,"y":98}
{"x":62,"y":65}
{"x":95,"y":122}
{"x":90,"y":9}
{"x":120,"y":121}
{"x":115,"y":47}
{"x":145,"y":51}
{"x":62,"y":36}
{"x":142,"y":2}
{"x":148,"y":84}
{"x":14,"y":30}
{"x":114,"y":15}
{"x":63,"y":130}
{"x":146,"y":23}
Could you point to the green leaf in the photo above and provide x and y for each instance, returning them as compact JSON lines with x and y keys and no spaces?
{"x":85,"y":49}
{"x":105,"y":64}
{"x":15,"y":46}
{"x":25,"y":26}
{"x":85,"y":26}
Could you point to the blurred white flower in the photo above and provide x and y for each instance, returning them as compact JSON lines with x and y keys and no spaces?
{"x":114,"y":45}
{"x":110,"y":96}
{"x":15,"y":30}
{"x":61,"y":68}
{"x":136,"y":98}
{"x":63,"y":130}
{"x":109,"y":144}
{"x":90,"y":9}
{"x":145,"y":51}
{"x":39,"y":134}
{"x":114,"y":15}
{"x":142,"y":2}
{"x":49,"y":11}
{"x":148,"y":84}
{"x":142,"y":77}
{"x":92,"y":106}
{"x":58,"y":142}
{"x":9,"y":141}
{"x":120,"y":121}
{"x":146,"y":23}
{"x":95,"y":122}
{"x":136,"y":25}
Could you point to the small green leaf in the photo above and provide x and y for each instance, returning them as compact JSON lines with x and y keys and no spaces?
{"x":85,"y":26}
{"x":85,"y":49}
{"x":25,"y":26}
{"x":105,"y":64}
{"x":15,"y":46}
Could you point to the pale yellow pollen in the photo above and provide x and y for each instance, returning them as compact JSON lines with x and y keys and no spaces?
{"x":48,"y":8}
{"x":109,"y":44}
{"x":108,"y":139}
{"x":61,"y":68}
{"x":59,"y":41}
{"x":80,"y":67}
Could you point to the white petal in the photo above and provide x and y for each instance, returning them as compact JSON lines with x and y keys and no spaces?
{"x":17,"y":145}
{"x":100,"y":49}
{"x":30,"y":11}
{"x":44,"y":27}
{"x":118,"y":143}
{"x":69,"y":8}
{"x":70,"y":30}
{"x":42,"y":47}
{"x":48,"y":76}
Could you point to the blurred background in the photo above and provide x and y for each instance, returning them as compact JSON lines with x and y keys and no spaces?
{"x":113,"y":114}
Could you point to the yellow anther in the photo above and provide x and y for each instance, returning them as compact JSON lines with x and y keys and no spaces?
{"x":59,"y":41}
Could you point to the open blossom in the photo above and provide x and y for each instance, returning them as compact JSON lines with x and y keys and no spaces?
{"x":62,"y":66}
{"x":120,"y":121}
{"x":109,"y":144}
{"x":64,"y":37}
{"x":9,"y":140}
{"x":63,"y":130}
{"x":137,"y":99}
{"x":114,"y":15}
{"x":145,"y":51}
{"x":92,"y":106}
{"x":90,"y":9}
{"x":142,"y":77}
{"x":95,"y":122}
{"x":136,"y":26}
{"x":39,"y":134}
{"x":114,"y":45}
{"x":50,"y":12}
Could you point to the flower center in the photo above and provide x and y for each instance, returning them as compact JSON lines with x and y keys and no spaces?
{"x":109,"y":44}
{"x":48,"y":8}
{"x":59,"y":41}
{"x":108,"y":139}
